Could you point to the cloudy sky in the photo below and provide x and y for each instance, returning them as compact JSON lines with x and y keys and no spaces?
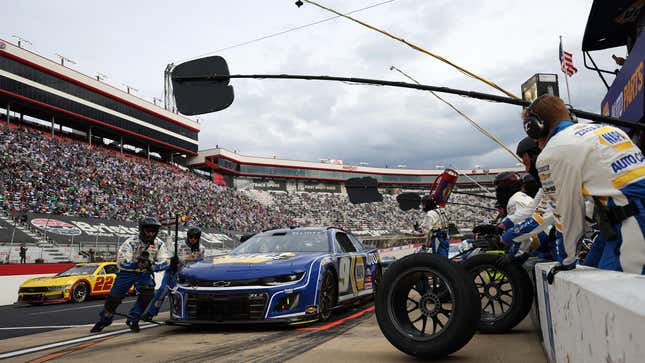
{"x":505,"y":41}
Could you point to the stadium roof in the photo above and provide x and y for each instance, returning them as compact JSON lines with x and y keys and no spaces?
{"x":225,"y":161}
{"x":42,"y":88}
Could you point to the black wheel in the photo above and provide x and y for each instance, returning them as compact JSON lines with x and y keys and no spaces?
{"x":427,"y":306}
{"x":328,"y":295}
{"x":79,"y":292}
{"x":506,"y":292}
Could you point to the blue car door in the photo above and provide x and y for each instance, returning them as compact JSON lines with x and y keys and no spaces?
{"x":352,"y":265}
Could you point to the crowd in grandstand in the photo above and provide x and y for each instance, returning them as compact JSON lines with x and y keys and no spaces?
{"x":44,"y":174}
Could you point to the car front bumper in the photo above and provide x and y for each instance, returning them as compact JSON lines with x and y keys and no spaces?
{"x":43,"y":297}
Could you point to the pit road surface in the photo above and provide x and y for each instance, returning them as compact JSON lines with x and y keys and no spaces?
{"x":22,"y":319}
{"x":352,"y":335}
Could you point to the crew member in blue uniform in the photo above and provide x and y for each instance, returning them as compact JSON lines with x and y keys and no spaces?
{"x":188,"y":251}
{"x":138,"y":258}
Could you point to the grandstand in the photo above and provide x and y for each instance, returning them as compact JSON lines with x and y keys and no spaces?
{"x":31,"y":85}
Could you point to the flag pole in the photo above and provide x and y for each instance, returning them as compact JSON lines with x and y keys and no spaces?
{"x":566,"y":77}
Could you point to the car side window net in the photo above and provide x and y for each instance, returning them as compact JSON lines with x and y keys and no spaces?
{"x":344,"y":243}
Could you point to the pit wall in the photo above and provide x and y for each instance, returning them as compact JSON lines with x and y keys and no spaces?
{"x":591,"y":315}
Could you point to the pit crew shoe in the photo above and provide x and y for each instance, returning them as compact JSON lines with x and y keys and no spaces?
{"x":134,"y":326}
{"x":99,"y":326}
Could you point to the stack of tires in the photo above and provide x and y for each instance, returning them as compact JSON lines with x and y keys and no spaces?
{"x":429,"y":307}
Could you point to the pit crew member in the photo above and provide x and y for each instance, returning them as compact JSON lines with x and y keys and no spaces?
{"x":137,"y":258}
{"x":188,"y":251}
{"x":590,"y":161}
{"x":435,"y":225}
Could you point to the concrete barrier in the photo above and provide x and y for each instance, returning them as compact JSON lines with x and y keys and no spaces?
{"x":591,"y":315}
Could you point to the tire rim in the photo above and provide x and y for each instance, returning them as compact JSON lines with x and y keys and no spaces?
{"x":495,"y":291}
{"x":79,"y":292}
{"x":326,"y":296}
{"x":421,"y":304}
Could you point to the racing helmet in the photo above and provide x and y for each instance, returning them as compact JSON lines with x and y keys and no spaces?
{"x":428,"y":203}
{"x":193,"y":232}
{"x":530,"y":185}
{"x":148,"y":229}
{"x":506,"y":184}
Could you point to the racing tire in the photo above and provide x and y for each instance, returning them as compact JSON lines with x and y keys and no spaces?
{"x":328,"y":295}
{"x":415,"y":318}
{"x":505,"y":292}
{"x":79,"y":292}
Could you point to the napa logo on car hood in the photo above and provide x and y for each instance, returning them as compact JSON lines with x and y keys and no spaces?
{"x":255,"y":258}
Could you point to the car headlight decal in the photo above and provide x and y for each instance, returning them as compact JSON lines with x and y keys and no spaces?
{"x":287,"y":302}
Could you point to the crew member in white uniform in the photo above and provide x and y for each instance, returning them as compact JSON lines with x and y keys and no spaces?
{"x":590,"y":161}
{"x":435,"y":225}
{"x":509,"y":194}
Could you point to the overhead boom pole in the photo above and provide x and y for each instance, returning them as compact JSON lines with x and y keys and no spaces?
{"x":379,"y":82}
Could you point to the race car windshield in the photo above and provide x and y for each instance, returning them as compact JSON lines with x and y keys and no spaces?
{"x":297,"y":241}
{"x":78,"y":270}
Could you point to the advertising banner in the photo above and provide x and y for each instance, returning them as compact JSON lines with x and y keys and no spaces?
{"x":270,"y":185}
{"x":65,"y":230}
{"x":626,"y":97}
{"x":7,"y":231}
{"x":313,"y":187}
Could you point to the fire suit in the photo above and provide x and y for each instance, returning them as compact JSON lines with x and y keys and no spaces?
{"x":129,"y":260}
{"x":186,"y":255}
{"x":515,"y":209}
{"x":599,"y":162}
{"x":435,"y":224}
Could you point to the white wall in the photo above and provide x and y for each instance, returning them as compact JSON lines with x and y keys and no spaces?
{"x":591,"y":315}
{"x":9,"y":287}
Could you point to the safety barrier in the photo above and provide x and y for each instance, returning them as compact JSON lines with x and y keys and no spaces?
{"x":591,"y":315}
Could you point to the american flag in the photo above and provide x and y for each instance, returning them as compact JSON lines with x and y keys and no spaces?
{"x":566,"y":62}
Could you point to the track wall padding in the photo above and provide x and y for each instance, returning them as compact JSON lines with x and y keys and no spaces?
{"x":591,"y":315}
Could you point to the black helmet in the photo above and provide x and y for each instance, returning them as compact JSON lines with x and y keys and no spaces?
{"x":530,"y":185}
{"x":428,"y":203}
{"x":527,"y":145}
{"x":506,"y":184}
{"x":193,"y":232}
{"x":148,"y":224}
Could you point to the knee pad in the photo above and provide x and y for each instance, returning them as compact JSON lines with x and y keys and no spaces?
{"x":111,"y":303}
{"x":146,"y":293}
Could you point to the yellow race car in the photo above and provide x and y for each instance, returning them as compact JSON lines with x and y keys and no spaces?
{"x":74,"y":284}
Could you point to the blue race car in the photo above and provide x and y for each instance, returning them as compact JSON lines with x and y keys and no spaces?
{"x":283,"y":275}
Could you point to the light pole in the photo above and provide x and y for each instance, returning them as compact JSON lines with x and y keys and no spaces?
{"x":64,"y":59}
{"x":100,"y":76}
{"x":21,"y":40}
{"x":129,"y":88}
